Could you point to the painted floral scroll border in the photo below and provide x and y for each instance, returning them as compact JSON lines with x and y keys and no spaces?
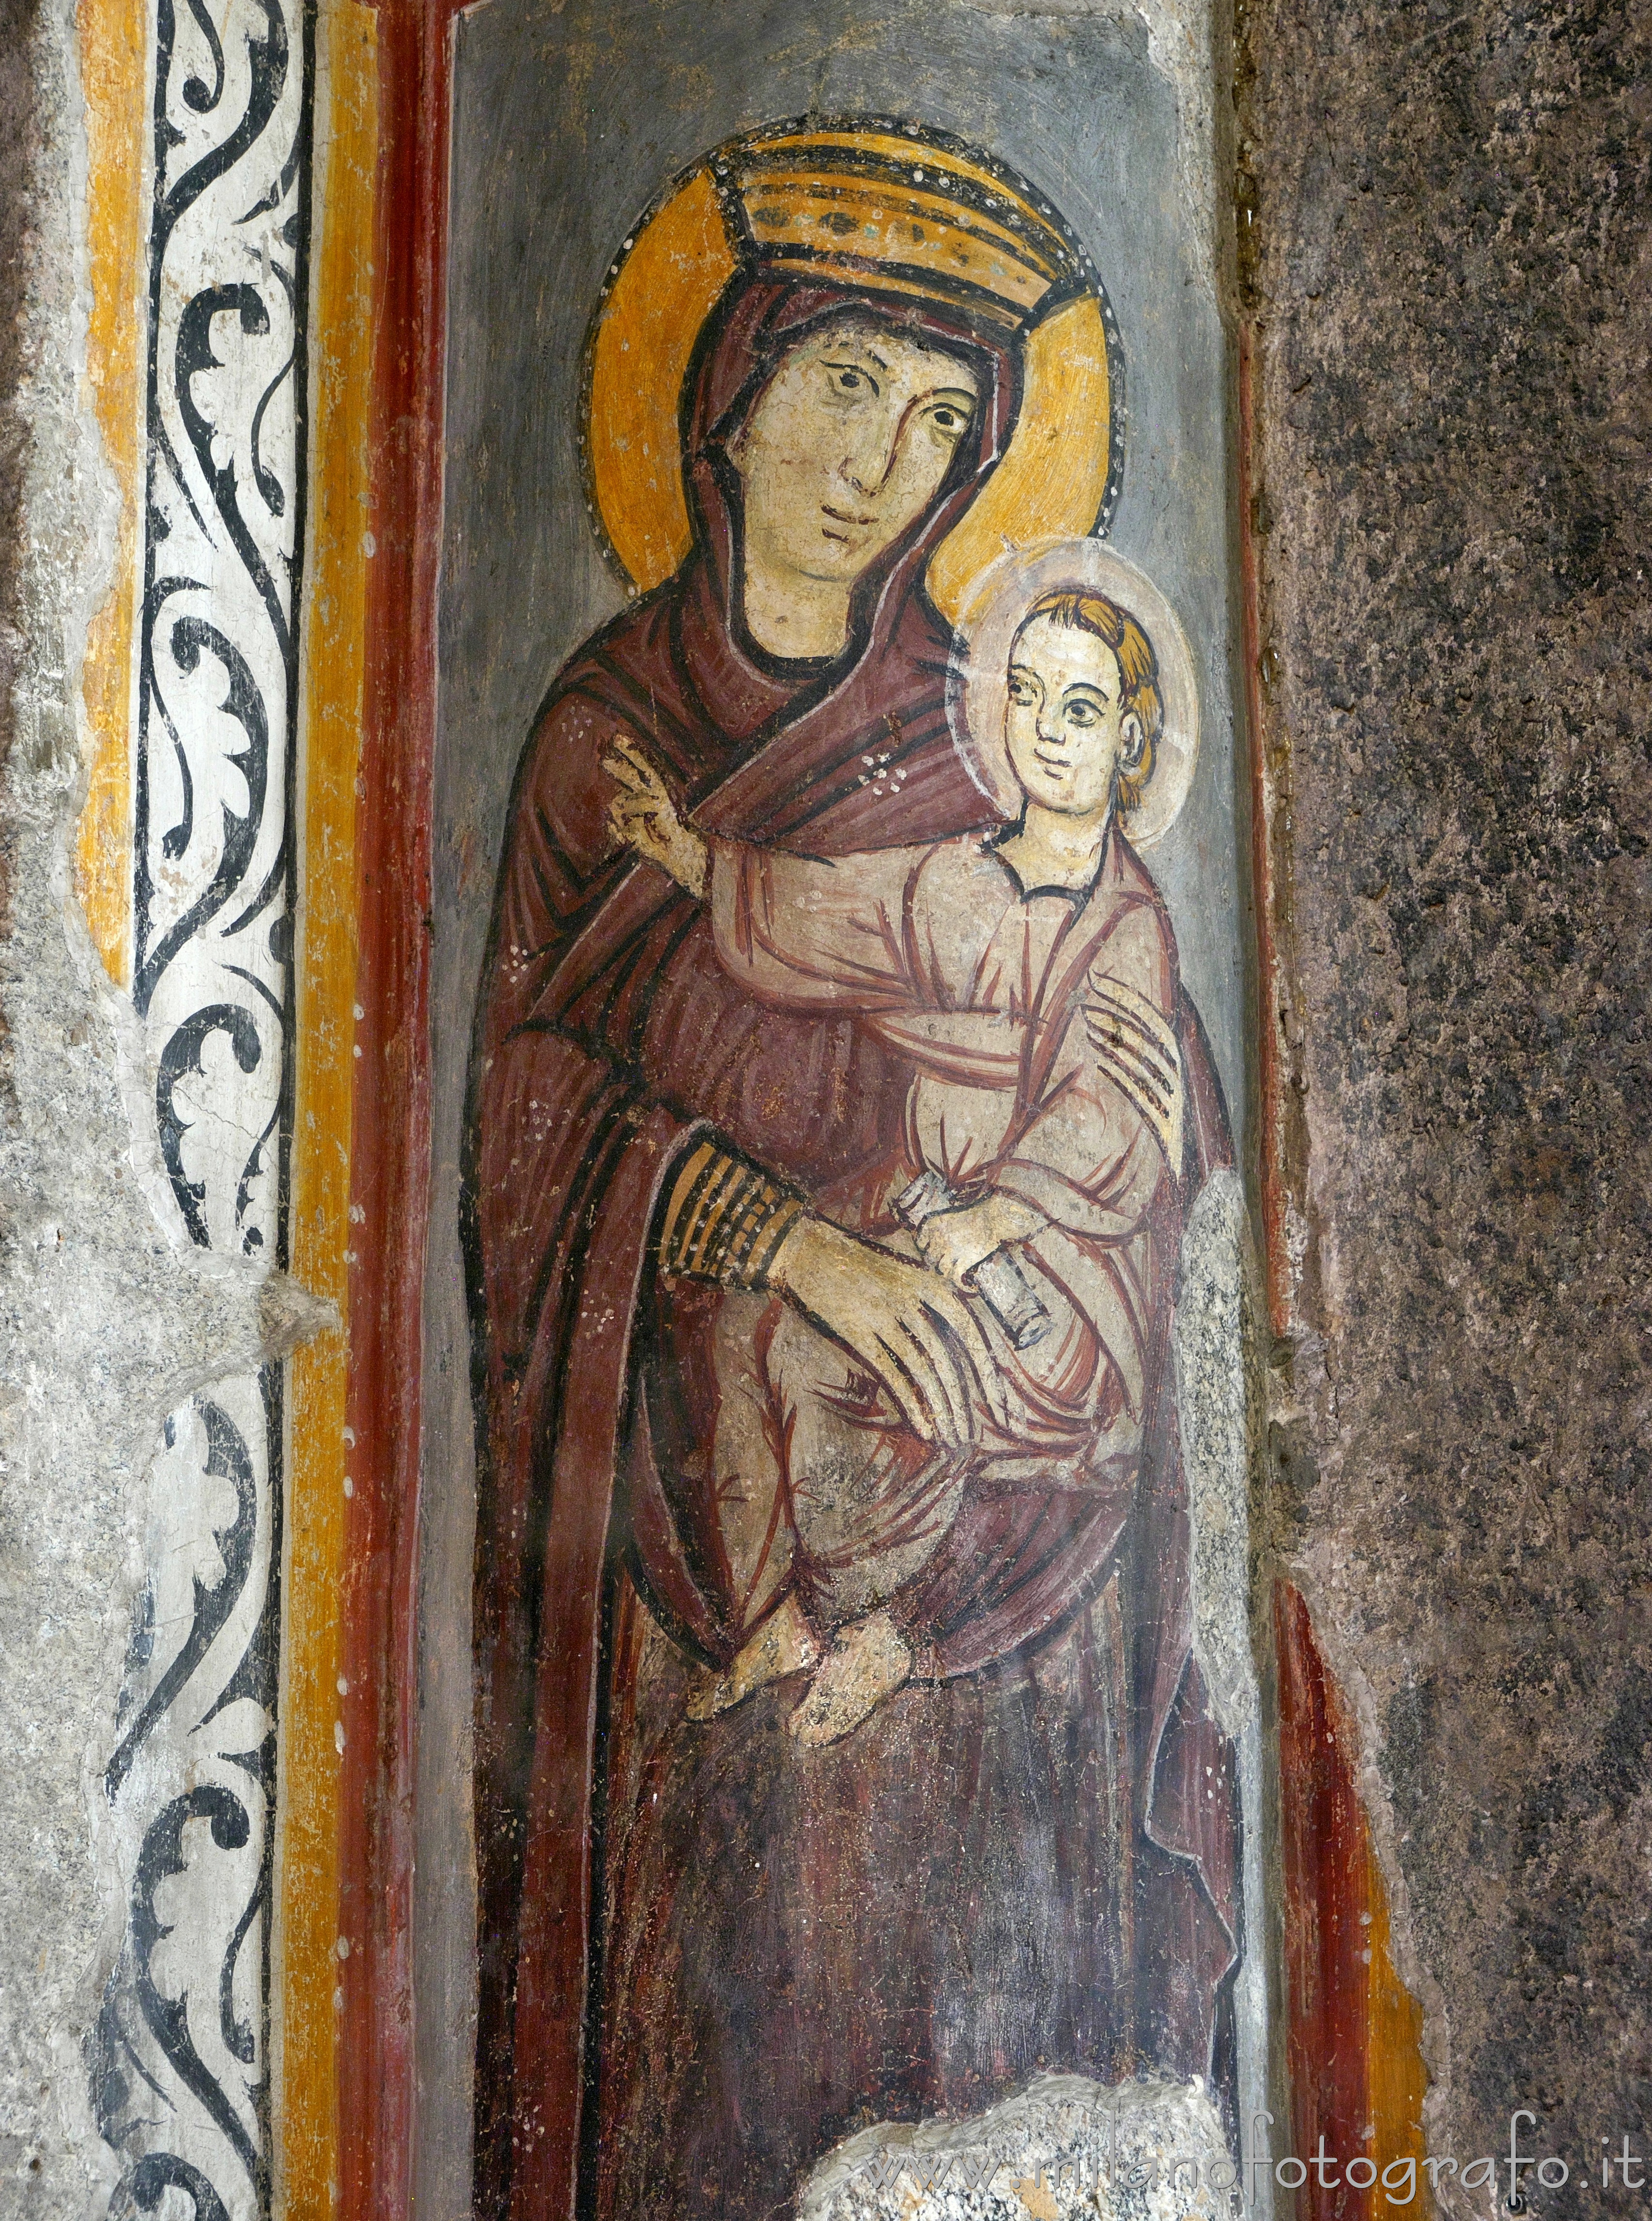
{"x":181,"y":2066}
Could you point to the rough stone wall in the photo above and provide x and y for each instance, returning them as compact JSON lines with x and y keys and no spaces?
{"x":1449,"y":272}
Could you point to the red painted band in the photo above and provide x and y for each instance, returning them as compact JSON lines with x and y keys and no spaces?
{"x":390,"y":1150}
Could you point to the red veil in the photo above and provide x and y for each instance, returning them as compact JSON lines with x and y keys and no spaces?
{"x":608,"y":1036}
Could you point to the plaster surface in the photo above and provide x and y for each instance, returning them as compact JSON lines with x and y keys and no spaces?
{"x":104,"y":1324}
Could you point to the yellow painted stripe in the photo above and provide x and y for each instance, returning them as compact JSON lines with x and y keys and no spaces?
{"x":1396,"y":2079}
{"x":113,"y":68}
{"x":305,"y":2112}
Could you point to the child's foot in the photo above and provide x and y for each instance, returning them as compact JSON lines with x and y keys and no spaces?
{"x":869,"y":1661}
{"x":783,"y":1644}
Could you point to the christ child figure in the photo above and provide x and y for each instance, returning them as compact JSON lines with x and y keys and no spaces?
{"x":1028,"y":976}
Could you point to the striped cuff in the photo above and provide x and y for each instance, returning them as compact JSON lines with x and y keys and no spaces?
{"x":725,"y":1221}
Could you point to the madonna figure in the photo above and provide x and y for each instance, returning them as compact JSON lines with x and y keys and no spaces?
{"x":711,"y":1947}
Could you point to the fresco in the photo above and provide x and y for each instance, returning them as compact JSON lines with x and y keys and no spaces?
{"x":181,"y":2073}
{"x":854,"y":1745}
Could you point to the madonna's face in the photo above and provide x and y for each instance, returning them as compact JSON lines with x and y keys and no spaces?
{"x":847,"y":445}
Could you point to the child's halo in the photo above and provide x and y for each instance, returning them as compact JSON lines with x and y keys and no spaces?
{"x":976,"y":683}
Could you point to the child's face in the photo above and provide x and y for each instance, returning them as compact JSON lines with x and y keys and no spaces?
{"x":1065,"y":729}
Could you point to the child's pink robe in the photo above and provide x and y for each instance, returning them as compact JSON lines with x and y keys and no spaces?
{"x":1041,"y":1028}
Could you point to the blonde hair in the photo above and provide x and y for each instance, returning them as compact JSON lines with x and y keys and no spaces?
{"x":1082,"y":610}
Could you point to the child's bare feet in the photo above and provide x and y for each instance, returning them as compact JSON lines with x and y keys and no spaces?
{"x":783,"y":1644}
{"x":869,"y":1661}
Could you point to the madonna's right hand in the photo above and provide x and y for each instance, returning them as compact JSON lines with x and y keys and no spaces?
{"x":912,"y":1329}
{"x":644,"y":816}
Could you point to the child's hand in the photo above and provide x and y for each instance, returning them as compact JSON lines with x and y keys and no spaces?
{"x":644,"y":816}
{"x":953,"y":1242}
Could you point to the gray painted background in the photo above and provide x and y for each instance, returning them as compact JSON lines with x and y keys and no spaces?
{"x":569,"y":116}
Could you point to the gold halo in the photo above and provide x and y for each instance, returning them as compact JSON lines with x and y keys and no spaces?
{"x":887,"y":207}
{"x":978,"y":690}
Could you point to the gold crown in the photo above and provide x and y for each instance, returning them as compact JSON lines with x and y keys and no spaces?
{"x":900,"y":214}
{"x":871,"y":206}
